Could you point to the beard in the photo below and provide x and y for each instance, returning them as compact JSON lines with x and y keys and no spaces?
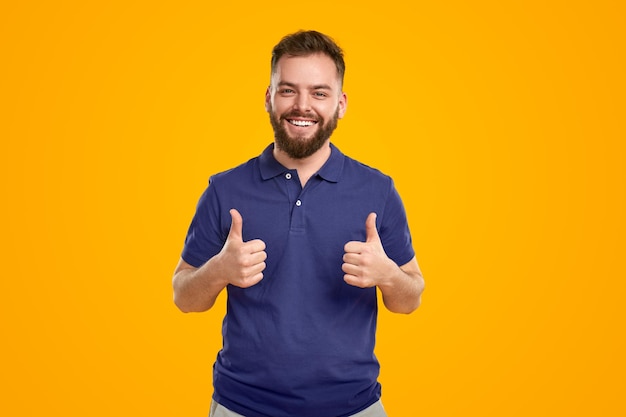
{"x":300,"y":147}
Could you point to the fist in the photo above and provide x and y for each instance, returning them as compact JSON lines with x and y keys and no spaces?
{"x":243,"y":262}
{"x":365,"y":263}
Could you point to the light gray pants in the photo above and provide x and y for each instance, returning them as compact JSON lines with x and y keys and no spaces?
{"x":375,"y":410}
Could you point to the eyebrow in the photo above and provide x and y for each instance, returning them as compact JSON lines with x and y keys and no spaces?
{"x":314,"y":87}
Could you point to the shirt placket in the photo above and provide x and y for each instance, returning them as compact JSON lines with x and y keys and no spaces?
{"x":296,"y":201}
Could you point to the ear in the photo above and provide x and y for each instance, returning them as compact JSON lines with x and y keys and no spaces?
{"x":343,"y":104}
{"x":268,"y":97}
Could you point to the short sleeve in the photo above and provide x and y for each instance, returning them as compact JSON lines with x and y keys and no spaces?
{"x":204,"y":238}
{"x":394,"y":229}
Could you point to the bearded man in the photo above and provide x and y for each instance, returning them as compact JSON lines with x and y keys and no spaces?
{"x":302,"y":237}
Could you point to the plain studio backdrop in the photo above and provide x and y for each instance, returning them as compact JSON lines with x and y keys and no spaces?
{"x":502,"y":124}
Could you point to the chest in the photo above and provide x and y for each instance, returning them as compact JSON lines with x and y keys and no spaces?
{"x":327,"y":214}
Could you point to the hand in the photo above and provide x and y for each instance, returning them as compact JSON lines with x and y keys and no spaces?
{"x":242,"y":262}
{"x":365,"y":263}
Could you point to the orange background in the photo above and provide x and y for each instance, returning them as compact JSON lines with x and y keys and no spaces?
{"x":501,"y":122}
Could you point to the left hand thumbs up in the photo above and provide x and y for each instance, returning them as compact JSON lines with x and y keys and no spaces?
{"x":365,"y":263}
{"x":371,"y":233}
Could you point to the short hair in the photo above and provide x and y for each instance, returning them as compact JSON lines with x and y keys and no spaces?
{"x":303,"y":43}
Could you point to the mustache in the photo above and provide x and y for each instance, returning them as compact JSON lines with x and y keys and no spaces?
{"x":295,"y":114}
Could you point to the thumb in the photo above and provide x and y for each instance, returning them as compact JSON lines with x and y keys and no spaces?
{"x":236,"y":225}
{"x":371,"y":234}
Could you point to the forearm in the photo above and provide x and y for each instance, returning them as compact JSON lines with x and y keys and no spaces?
{"x":402,"y":291}
{"x":196,"y":289}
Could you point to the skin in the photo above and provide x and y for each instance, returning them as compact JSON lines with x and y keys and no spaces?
{"x":309,"y":87}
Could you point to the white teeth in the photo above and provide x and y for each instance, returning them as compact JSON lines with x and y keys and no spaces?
{"x":301,"y":123}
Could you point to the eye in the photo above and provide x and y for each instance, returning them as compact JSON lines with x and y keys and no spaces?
{"x":320,"y":94}
{"x":286,"y":91}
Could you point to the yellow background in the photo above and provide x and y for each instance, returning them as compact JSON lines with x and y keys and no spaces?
{"x":501,"y":122}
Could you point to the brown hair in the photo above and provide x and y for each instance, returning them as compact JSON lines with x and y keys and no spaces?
{"x":309,"y":42}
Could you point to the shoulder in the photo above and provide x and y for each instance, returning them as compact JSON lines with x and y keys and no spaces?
{"x":250,"y":173}
{"x":362,"y":168}
{"x":352,"y":166}
{"x":235,"y":174}
{"x":355,"y":170}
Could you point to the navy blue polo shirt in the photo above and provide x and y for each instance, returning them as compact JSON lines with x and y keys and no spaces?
{"x":301,"y":341}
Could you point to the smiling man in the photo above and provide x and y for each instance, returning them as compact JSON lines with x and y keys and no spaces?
{"x":303,"y":113}
{"x":302,"y":237}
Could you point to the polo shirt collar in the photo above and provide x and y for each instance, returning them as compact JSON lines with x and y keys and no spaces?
{"x":268,"y":165}
{"x":330,"y":171}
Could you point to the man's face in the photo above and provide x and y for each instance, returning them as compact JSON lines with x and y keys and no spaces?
{"x":304,"y":101}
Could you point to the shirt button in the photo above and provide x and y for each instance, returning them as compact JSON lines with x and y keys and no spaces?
{"x":298,"y":203}
{"x":288,"y":176}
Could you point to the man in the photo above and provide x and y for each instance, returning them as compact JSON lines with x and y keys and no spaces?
{"x":300,"y":237}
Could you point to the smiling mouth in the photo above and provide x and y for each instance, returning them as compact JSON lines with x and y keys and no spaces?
{"x":301,"y":123}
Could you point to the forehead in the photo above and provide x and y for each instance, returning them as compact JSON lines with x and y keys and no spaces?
{"x":309,"y":69}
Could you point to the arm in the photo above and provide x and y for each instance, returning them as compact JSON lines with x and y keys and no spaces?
{"x":366,"y":265}
{"x":238,"y":263}
{"x":402,"y":291}
{"x":196,"y":289}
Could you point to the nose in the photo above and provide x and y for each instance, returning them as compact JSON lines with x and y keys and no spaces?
{"x":302,"y":103}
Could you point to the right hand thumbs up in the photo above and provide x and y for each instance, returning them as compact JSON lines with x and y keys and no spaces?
{"x":243,"y":262}
{"x":236,"y":226}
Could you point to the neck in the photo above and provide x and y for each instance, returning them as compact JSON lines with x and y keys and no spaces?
{"x":306,"y":167}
